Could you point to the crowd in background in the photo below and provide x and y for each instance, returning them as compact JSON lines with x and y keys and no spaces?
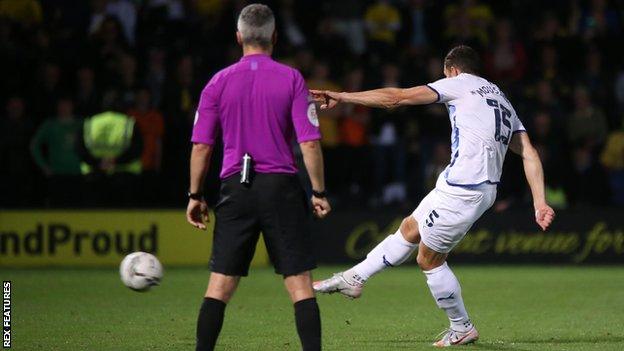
{"x":561,"y":63}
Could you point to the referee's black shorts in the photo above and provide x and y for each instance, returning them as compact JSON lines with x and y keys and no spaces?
{"x":274,"y":204}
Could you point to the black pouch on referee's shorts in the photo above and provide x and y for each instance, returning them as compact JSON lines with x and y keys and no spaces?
{"x":246,"y":174}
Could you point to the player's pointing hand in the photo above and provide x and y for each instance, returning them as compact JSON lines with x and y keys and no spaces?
{"x":544,"y":215}
{"x":327,"y":99}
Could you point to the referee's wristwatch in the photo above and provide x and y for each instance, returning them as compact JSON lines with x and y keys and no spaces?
{"x":195,"y":196}
{"x":319,"y":194}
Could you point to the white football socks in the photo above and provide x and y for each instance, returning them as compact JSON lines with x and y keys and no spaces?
{"x":446,"y":291}
{"x":392,"y":251}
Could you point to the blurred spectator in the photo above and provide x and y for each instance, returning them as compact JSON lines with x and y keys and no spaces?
{"x":60,"y":163}
{"x":468,"y":21}
{"x":127,"y":81}
{"x":125,"y":12}
{"x":506,"y":60}
{"x":550,"y":147}
{"x":612,"y":159}
{"x":348,"y":21}
{"x":545,"y":99}
{"x":152,"y":128}
{"x":383,"y":22}
{"x":87,"y":98}
{"x":389,"y":155}
{"x":16,"y":178}
{"x":598,"y":20}
{"x":110,"y":146}
{"x":594,"y":78}
{"x":587,"y":124}
{"x":438,"y":162}
{"x":293,"y":32}
{"x":179,"y":104}
{"x":417,"y":29}
{"x":47,"y":91}
{"x":24,"y":12}
{"x":354,"y":137}
{"x":156,"y":74}
{"x":102,"y":51}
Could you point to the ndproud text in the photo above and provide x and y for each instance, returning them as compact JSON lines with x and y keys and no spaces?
{"x":48,"y":239}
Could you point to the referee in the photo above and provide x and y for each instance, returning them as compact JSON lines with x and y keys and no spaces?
{"x":258,"y":106}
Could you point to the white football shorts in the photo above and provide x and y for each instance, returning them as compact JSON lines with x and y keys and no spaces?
{"x":447,"y":213}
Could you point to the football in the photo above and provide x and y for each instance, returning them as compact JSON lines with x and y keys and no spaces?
{"x":140,"y":271}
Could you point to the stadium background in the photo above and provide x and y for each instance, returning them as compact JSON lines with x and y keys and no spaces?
{"x":560,"y":62}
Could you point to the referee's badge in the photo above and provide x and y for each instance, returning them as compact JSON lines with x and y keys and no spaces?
{"x":312,"y":116}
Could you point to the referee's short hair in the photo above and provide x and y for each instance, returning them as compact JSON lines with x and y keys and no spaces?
{"x":464,"y":58}
{"x":256,"y":24}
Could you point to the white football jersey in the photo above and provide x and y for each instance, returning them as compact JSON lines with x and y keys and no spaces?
{"x":483,"y":122}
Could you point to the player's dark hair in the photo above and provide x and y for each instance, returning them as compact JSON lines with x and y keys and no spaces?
{"x":464,"y":58}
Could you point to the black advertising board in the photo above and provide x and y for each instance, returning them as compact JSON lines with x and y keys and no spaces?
{"x":576,"y":237}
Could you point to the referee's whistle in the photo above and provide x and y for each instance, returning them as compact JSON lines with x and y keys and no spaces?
{"x":246,"y":170}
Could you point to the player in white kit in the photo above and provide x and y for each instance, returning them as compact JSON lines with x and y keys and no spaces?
{"x":484,"y":125}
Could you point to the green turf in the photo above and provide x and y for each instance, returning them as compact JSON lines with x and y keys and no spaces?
{"x":515,"y":308}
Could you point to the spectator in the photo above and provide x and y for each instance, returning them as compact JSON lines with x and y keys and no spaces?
{"x":389,"y":153}
{"x":156,"y":74}
{"x":152,"y":128}
{"x":61,"y":164}
{"x":354,"y":138}
{"x":25,"y":12}
{"x":126,"y":14}
{"x":348,"y":21}
{"x":17,"y":177}
{"x":612,"y":159}
{"x":383,"y":22}
{"x":87,"y":98}
{"x":127,"y":82}
{"x":587,"y":124}
{"x":110,"y":148}
{"x":47,"y":91}
{"x":506,"y":60}
{"x":598,"y":20}
{"x":417,"y":28}
{"x":468,"y":21}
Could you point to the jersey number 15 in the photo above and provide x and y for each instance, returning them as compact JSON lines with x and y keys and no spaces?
{"x":501,"y":114}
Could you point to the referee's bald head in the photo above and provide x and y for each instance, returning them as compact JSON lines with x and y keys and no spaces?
{"x":256,"y":26}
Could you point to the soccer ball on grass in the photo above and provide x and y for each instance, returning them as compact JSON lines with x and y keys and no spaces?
{"x":140,"y":271}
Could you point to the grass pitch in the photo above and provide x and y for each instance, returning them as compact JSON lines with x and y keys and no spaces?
{"x":515,"y":308}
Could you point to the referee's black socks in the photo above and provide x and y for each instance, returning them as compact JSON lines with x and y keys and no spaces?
{"x":209,"y":323}
{"x":308,"y":319}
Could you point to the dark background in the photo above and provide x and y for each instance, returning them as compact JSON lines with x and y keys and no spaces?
{"x":561,"y":63}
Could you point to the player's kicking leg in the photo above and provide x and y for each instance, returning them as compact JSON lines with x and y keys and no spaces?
{"x":392,"y":251}
{"x":443,"y":284}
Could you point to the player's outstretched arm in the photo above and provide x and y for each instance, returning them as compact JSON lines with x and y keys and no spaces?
{"x":521,"y":145}
{"x":380,"y":98}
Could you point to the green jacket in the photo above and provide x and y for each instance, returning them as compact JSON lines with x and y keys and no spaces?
{"x":109,"y":135}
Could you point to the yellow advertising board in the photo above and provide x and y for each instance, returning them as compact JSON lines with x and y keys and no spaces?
{"x":103,"y":238}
